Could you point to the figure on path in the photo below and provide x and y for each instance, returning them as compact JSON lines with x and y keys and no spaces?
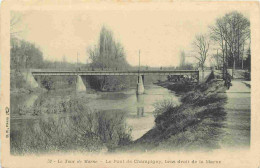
{"x":228,"y":81}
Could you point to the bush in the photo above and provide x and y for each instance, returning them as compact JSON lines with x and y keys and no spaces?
{"x":86,"y":131}
{"x":108,"y":83}
{"x":56,"y":82}
{"x":163,"y":106}
{"x":17,"y":81}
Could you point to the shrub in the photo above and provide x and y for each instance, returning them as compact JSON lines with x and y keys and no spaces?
{"x":163,"y":106}
{"x":87,"y":131}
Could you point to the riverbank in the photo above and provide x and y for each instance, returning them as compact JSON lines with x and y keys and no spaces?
{"x":194,"y":125}
{"x":197,"y":121}
{"x":61,"y":122}
{"x":110,"y":119}
{"x":16,"y":91}
{"x":179,"y":88}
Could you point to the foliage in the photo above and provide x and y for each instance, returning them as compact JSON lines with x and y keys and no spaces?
{"x":56,"y":82}
{"x":109,"y":83}
{"x":81,"y":129}
{"x":25,"y":55}
{"x":248,"y":60}
{"x":163,"y":105}
{"x":108,"y":55}
{"x":181,"y":87}
{"x":17,"y":81}
{"x":232,"y":34}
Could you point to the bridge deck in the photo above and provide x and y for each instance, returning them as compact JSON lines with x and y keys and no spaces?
{"x":115,"y":73}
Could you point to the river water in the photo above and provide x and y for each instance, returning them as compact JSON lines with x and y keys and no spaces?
{"x":138,"y":109}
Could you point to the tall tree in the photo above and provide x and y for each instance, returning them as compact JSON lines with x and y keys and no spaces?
{"x":218,"y":36}
{"x":108,"y":54}
{"x":236,"y":35}
{"x":232,"y":33}
{"x":201,"y":45}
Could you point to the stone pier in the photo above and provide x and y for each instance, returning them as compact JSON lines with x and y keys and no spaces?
{"x":140,"y":85}
{"x":80,"y":86}
{"x":29,"y":78}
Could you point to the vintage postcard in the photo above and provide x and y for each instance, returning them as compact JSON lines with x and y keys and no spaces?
{"x":130,"y":84}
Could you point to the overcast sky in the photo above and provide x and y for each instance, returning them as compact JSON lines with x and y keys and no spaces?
{"x":159,"y":34}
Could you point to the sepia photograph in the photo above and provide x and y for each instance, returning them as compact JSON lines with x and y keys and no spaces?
{"x":111,"y":81}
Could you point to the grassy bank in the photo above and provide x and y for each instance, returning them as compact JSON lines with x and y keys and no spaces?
{"x":179,"y":88}
{"x":66,"y":124}
{"x":194,"y":125}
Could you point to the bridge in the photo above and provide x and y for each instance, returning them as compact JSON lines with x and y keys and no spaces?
{"x":140,"y":74}
{"x":114,"y":73}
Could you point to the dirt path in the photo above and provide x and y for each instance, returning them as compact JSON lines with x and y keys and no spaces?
{"x":236,"y":132}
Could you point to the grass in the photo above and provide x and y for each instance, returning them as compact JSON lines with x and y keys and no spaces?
{"x":178,"y":88}
{"x":85,"y":132}
{"x":163,"y":106}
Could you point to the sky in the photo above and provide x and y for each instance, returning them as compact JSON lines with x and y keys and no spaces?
{"x":160,"y":35}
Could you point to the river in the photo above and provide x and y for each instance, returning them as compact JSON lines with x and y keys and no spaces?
{"x":137,"y":109}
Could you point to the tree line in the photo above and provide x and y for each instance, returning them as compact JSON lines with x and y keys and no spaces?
{"x":230,"y":37}
{"x":232,"y":34}
{"x":25,"y":56}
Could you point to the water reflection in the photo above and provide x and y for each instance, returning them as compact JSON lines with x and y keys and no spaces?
{"x":140,"y":105}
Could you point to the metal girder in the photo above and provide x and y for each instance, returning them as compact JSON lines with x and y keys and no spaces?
{"x":112,"y":73}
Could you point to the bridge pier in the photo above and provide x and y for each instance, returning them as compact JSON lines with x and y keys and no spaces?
{"x":140,"y":85}
{"x":29,"y":78}
{"x":80,"y":86}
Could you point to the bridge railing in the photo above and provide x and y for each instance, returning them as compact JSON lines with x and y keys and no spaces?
{"x":135,"y":71}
